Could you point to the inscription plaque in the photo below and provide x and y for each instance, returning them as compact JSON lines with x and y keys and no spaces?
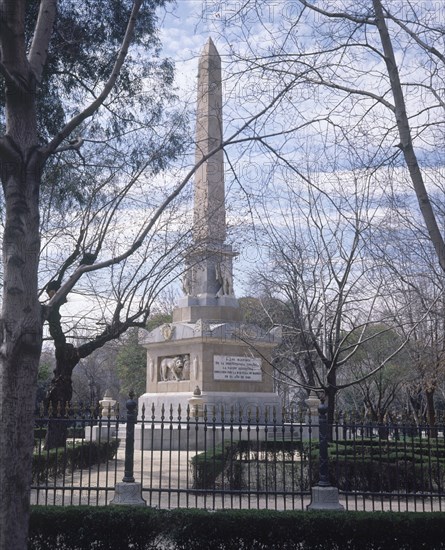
{"x":238,"y":369}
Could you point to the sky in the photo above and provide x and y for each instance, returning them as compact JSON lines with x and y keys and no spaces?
{"x":184,"y":29}
{"x":183,"y":34}
{"x":186,"y":26}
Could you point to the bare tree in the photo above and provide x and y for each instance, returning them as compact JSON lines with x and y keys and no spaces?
{"x":416,"y":301}
{"x":319,"y":267}
{"x":114,"y":297}
{"x":426,"y":347}
{"x":376,"y":397}
{"x":365,"y":84}
{"x":365,"y":87}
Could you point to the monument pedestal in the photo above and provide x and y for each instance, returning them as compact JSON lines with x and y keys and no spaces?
{"x":228,"y":362}
{"x":229,"y":407}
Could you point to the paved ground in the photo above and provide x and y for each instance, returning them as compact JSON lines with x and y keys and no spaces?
{"x":166,"y":479}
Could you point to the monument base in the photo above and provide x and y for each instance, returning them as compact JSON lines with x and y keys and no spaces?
{"x":108,"y":430}
{"x":262,"y":407}
{"x":325,"y":498}
{"x":128,"y":494}
{"x":251,"y":413}
{"x":198,"y":435}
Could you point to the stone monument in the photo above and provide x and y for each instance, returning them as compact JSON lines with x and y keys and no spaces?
{"x":207,"y":357}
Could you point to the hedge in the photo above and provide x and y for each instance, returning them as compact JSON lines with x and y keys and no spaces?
{"x":225,"y":461}
{"x":54,"y":462}
{"x":139,"y":528}
{"x":363,"y":465}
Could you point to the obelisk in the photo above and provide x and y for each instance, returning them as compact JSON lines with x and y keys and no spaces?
{"x":209,"y":206}
{"x":207,"y":354}
{"x":208,"y":279}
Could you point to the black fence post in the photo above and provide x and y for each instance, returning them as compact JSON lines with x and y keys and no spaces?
{"x":129,"y":492}
{"x":323,"y":495}
{"x":323,"y":480}
{"x":132,"y":415}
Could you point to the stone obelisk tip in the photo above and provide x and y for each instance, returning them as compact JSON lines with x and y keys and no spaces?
{"x":210,"y":48}
{"x":210,"y":219}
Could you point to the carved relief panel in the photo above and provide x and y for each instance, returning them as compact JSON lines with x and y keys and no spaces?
{"x":175,"y":367}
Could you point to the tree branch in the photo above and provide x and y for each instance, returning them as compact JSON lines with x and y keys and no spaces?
{"x":111,"y":332}
{"x":415,"y":37}
{"x":354,"y":91}
{"x":338,"y":15}
{"x":42,"y":36}
{"x":93,"y":107}
{"x":73,"y":145}
{"x":82,"y":269}
{"x":406,"y":139}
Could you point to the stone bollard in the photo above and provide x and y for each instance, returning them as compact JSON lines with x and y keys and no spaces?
{"x":128,"y":492}
{"x":107,"y":406}
{"x":324,"y":496}
{"x":107,"y":425}
{"x":196,"y":403}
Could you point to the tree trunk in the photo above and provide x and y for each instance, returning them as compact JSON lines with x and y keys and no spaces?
{"x":22,"y":316}
{"x":406,"y":143}
{"x":21,"y":341}
{"x":59,"y":396}
{"x":431,"y":411}
{"x":60,"y":392}
{"x":331,"y":392}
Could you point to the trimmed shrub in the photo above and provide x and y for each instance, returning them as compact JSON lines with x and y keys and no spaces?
{"x":373,"y":465}
{"x":54,"y":462}
{"x":225,"y":466}
{"x":121,"y":528}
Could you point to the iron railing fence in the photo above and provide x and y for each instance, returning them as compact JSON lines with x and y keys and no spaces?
{"x":182,"y":460}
